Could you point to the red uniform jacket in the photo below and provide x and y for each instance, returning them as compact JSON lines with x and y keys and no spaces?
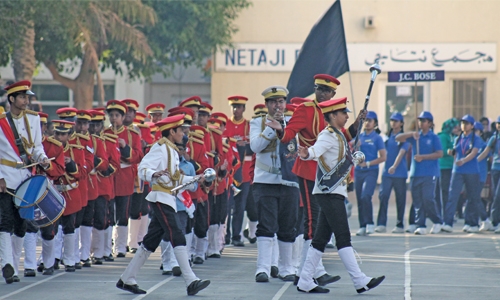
{"x":54,"y":149}
{"x":85,"y":184}
{"x":68,"y":183}
{"x":240,"y":130}
{"x":198,"y":157}
{"x":307,"y":122}
{"x":222,"y":183}
{"x":106,"y":178}
{"x":100,"y":164}
{"x":130,"y":156}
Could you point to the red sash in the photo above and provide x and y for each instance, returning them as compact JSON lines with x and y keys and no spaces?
{"x":7,"y":131}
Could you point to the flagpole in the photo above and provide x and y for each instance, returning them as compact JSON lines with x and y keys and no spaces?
{"x":352,"y":96}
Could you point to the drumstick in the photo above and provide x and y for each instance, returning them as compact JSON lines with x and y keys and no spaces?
{"x":14,"y":195}
{"x":37,"y":163}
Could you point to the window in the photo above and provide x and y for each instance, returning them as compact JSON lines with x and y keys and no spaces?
{"x":468,"y":98}
{"x":401,"y":98}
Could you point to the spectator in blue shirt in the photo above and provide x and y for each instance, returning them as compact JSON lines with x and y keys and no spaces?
{"x":424,"y":171}
{"x":465,"y":173}
{"x":483,"y":174}
{"x":366,"y":173}
{"x":394,"y":176}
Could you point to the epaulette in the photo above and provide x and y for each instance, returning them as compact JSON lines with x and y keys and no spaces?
{"x":256,"y":116}
{"x":216,"y":131}
{"x":330,"y":129}
{"x":142,"y":125}
{"x":311,"y":103}
{"x":196,"y":140}
{"x":162,"y":141}
{"x":53,"y":141}
{"x":210,"y":154}
{"x":31,"y":112}
{"x":2,"y":115}
{"x":99,"y":137}
{"x":225,"y":149}
{"x":76,"y":146}
{"x":82,"y":136}
{"x":107,"y":138}
{"x":233,"y":140}
{"x":192,"y":133}
{"x":110,"y":135}
{"x":134,"y":131}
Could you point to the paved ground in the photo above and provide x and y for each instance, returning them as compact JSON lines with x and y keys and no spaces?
{"x":442,"y":266}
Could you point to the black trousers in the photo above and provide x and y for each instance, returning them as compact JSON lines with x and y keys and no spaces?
{"x":100,"y":213}
{"x":201,"y":218}
{"x":277,"y":207}
{"x":88,"y":214}
{"x":240,"y":203}
{"x":332,"y":218}
{"x":47,"y":232}
{"x":139,"y":206}
{"x":79,"y":217}
{"x":68,"y":223}
{"x":111,"y":213}
{"x":218,"y":208}
{"x":311,"y":207}
{"x":182,"y":220}
{"x":251,"y":206}
{"x":163,"y":224}
{"x":10,"y":221}
{"x":122,"y":209}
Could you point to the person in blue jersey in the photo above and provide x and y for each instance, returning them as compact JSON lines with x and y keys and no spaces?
{"x":493,"y":147}
{"x":394,"y":176}
{"x":366,"y":173}
{"x":465,"y":173}
{"x":423,"y":172}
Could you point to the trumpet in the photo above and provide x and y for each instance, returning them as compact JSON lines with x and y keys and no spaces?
{"x":235,"y":189}
{"x":280,"y":117}
{"x":209,"y":174}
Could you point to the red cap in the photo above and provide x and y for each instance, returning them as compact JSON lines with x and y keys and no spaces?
{"x":334,"y":105}
{"x":152,"y":126}
{"x":83,"y":115}
{"x":187,"y":112}
{"x":170,"y":122}
{"x":325,"y":79}
{"x":97,"y":115}
{"x":155,"y":108}
{"x":220,"y":116}
{"x":194,"y":100}
{"x":66,"y":112}
{"x":131,"y":103}
{"x":298,"y":101}
{"x":140,"y":116}
{"x":20,"y":86}
{"x":116,"y":104}
{"x":214,"y":123}
{"x":237,"y":100}
{"x":62,"y":125}
{"x":43,"y":117}
{"x":206,"y":107}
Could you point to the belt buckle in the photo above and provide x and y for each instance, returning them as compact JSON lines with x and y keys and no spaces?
{"x":19,"y":165}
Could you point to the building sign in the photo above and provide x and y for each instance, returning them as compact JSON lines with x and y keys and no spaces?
{"x":411,"y":76}
{"x":450,"y":57}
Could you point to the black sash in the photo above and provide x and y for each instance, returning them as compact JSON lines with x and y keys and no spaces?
{"x":19,"y":142}
{"x":288,"y":156}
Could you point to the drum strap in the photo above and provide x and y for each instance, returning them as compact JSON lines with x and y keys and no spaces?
{"x":19,"y":142}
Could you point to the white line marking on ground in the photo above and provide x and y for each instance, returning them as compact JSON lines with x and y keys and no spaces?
{"x":154,"y":287}
{"x":282,"y":291}
{"x":31,"y":285}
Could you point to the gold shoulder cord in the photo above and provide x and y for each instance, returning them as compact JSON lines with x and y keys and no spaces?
{"x":28,"y":144}
{"x":176,"y":176}
{"x":315,"y":129}
{"x":321,"y":160}
{"x":271,"y":147}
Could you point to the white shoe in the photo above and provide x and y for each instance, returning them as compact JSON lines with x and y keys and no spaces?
{"x":466,"y":228}
{"x":398,"y":230}
{"x":486,"y":226}
{"x":447,"y":228}
{"x":497,"y":230}
{"x":370,"y":229}
{"x":348,"y":208}
{"x":473,"y":229}
{"x":421,"y":231}
{"x":436,"y":228}
{"x":380,"y":229}
{"x":362,"y":231}
{"x":411,"y":228}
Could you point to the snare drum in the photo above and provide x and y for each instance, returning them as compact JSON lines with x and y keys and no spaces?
{"x":41,"y":203}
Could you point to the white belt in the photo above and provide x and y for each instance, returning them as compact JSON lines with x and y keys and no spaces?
{"x":125,"y":165}
{"x":248,"y":158}
{"x":67,"y":187}
{"x":266,"y":168}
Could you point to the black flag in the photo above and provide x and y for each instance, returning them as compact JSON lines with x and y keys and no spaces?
{"x":324,"y":52}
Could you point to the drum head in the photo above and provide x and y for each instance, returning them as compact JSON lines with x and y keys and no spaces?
{"x":31,"y":190}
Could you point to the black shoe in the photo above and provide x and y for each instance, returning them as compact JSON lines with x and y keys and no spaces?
{"x":40,"y":268}
{"x":296,"y":280}
{"x":8,"y":273}
{"x":327,"y":279}
{"x":372,"y":284}
{"x":120,"y":254}
{"x":316,"y":290}
{"x":16,"y":278}
{"x":56,"y":264}
{"x":168,"y":273}
{"x":86,"y":263}
{"x":78,"y":266}
{"x":133,"y":288}
{"x":245,"y":233}
{"x":133,"y":250}
{"x":109,"y":257}
{"x":290,"y":277}
{"x":198,"y":260}
{"x":227,"y":241}
{"x":29,"y":273}
{"x":161,"y":267}
{"x":49,"y":271}
{"x":69,"y":268}
{"x":127,"y":249}
{"x":274,"y":272}
{"x":253,"y":240}
{"x":238,"y":243}
{"x":261,"y":277}
{"x":197,"y":286}
{"x":97,"y":260}
{"x":215,"y":255}
{"x":176,"y":271}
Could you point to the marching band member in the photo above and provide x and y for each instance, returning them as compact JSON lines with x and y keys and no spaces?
{"x":101,"y":218}
{"x":129,"y":144}
{"x":307,"y":122}
{"x":329,"y":149}
{"x":277,"y":198}
{"x":155,"y":111}
{"x":69,"y":186}
{"x":160,"y":167}
{"x":21,"y":143}
{"x":194,"y":103}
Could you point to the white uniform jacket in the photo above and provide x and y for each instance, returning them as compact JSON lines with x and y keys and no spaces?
{"x":28,"y":128}
{"x":162,"y":156}
{"x":327,"y":149}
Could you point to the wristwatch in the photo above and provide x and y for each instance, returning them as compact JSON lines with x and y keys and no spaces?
{"x":367,"y":164}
